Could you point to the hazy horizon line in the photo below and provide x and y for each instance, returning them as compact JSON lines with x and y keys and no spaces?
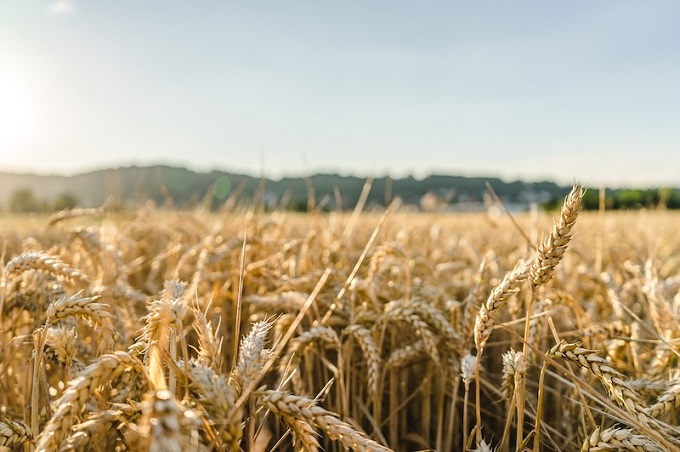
{"x":418,"y":175}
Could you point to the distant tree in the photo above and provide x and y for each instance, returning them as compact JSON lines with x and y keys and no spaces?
{"x":297,"y":205}
{"x":23,"y":200}
{"x":554,"y":202}
{"x":631,"y":199}
{"x":673,"y":199}
{"x":65,"y":200}
{"x":591,"y":200}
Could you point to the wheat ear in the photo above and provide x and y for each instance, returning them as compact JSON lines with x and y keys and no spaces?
{"x":400,"y":310}
{"x":162,"y":421}
{"x":163,"y":320}
{"x":73,"y":213}
{"x":35,"y":260}
{"x":552,"y":249}
{"x":14,"y":433}
{"x":371,"y":354}
{"x":216,"y":395}
{"x":297,"y":345}
{"x":514,"y":364}
{"x":81,"y":388}
{"x":87,"y":308}
{"x":252,"y":354}
{"x":61,"y":346}
{"x":666,"y":402}
{"x":304,"y":434}
{"x":209,"y":344}
{"x":611,"y":379}
{"x":619,"y":439}
{"x":98,"y":426}
{"x":498,"y":298}
{"x":405,"y":355}
{"x":285,"y":404}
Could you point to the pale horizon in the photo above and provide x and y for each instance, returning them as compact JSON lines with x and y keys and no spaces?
{"x":564,"y":92}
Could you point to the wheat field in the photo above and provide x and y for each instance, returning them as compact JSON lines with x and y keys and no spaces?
{"x":257,"y":331}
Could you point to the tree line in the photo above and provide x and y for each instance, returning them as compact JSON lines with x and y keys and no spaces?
{"x":626,"y":199}
{"x":24,"y":200}
{"x":176,"y":187}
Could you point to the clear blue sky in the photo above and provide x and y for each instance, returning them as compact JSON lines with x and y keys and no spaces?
{"x":585,"y":90}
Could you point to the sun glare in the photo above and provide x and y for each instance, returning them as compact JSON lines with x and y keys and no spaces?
{"x":14,"y":110}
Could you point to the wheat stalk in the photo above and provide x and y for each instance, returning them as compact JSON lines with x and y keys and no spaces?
{"x":288,"y":301}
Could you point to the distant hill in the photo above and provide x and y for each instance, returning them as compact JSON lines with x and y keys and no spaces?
{"x":181,"y":187}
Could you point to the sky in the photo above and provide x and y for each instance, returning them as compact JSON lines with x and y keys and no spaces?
{"x":565,"y":91}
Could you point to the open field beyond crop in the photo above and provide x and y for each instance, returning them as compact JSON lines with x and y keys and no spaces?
{"x":167,"y":331}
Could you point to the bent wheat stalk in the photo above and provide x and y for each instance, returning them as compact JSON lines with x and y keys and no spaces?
{"x":288,"y":405}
